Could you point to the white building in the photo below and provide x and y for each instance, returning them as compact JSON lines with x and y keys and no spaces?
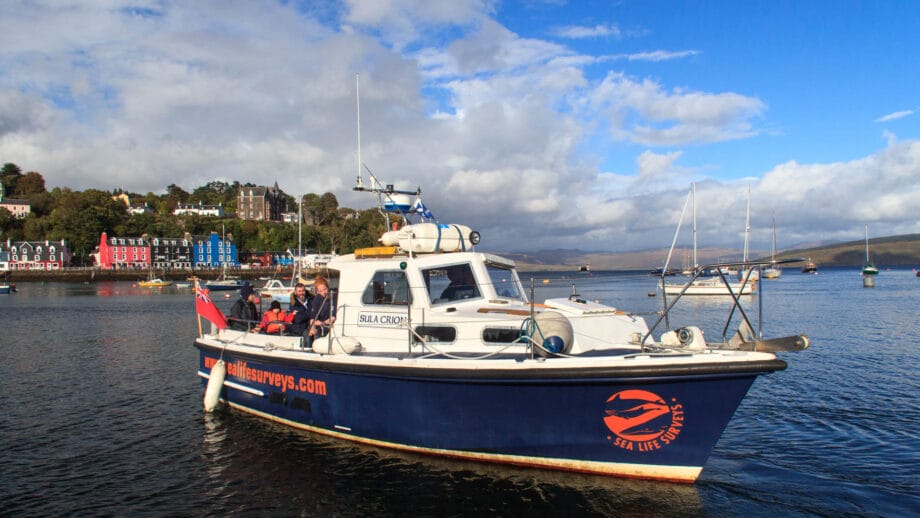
{"x":200,"y":209}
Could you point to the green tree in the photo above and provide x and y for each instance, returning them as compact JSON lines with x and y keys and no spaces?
{"x":167,"y":226}
{"x":10,"y":227}
{"x":174,"y":196}
{"x":82,"y":216}
{"x":320,"y":210}
{"x":9,"y":175}
{"x":29,"y":184}
{"x":214,"y":193}
{"x":138,"y":225}
{"x":35,"y":228}
{"x":42,"y":203}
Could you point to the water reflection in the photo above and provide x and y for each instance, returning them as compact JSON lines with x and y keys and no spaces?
{"x":103,"y":415}
{"x":325,"y":474}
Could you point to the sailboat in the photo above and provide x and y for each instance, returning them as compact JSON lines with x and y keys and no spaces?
{"x":276,"y":289}
{"x":869,"y":268}
{"x":708,"y":285}
{"x":746,"y":272}
{"x":225,"y":282}
{"x":153,"y":282}
{"x":772,"y":272}
{"x":810,"y":267}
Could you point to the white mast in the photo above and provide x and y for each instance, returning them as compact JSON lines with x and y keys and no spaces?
{"x":747,"y":227}
{"x":693,"y":197}
{"x":773,"y":247}
{"x":359,"y":183}
{"x":299,"y":233}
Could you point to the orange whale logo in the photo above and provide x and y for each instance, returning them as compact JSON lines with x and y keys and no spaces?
{"x":642,"y":420}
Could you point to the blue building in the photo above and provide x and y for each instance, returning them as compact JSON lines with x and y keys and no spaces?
{"x":212,"y":251}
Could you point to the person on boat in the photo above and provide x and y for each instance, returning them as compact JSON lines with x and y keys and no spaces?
{"x":275,"y":319}
{"x":462,"y":283}
{"x":299,"y":310}
{"x":244,"y":314}
{"x":322,"y":310}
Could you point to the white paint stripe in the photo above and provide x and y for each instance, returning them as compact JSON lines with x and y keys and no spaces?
{"x":686,"y":474}
{"x":235,"y":385}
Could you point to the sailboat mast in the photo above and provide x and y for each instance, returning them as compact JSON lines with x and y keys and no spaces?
{"x":693,"y":198}
{"x":773,"y":247}
{"x":300,"y":229}
{"x":867,"y":244}
{"x":747,"y":227}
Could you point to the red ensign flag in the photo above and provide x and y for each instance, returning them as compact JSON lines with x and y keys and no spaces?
{"x":206,"y":307}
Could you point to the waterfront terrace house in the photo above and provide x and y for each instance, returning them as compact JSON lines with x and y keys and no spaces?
{"x":18,"y":208}
{"x":214,"y":252}
{"x":118,"y":253}
{"x":171,"y":252}
{"x":37,"y":255}
{"x":261,"y":203}
{"x":200,"y":209}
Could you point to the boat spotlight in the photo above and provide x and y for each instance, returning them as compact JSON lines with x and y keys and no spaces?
{"x":474,"y":238}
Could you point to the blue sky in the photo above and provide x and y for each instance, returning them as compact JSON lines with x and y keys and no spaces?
{"x":541,"y":124}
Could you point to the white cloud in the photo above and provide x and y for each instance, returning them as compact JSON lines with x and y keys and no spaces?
{"x":503,"y":133}
{"x":655,"y":166}
{"x":402,"y":22}
{"x":581,"y":32}
{"x":642,"y":112}
{"x":895,"y":116}
{"x":654,"y":55}
{"x":890,"y":137}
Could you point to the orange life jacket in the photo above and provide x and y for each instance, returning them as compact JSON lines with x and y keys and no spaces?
{"x":272,"y":321}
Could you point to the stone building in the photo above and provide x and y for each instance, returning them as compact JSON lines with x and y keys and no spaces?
{"x":261,"y":203}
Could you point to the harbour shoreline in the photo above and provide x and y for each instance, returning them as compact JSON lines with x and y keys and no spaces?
{"x":96,"y":274}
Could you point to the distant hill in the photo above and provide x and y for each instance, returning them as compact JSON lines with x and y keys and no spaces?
{"x":884,"y":251}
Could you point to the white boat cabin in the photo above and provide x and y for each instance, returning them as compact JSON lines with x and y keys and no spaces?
{"x":458,"y":302}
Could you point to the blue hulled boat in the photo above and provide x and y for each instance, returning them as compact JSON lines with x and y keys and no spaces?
{"x":436,"y":348}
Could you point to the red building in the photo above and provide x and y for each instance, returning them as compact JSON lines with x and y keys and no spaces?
{"x":117,"y":253}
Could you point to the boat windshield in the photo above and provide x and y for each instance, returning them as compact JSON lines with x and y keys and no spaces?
{"x":451,"y":283}
{"x":506,"y":282}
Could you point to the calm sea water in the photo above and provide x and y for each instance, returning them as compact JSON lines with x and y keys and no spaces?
{"x":101,"y":415}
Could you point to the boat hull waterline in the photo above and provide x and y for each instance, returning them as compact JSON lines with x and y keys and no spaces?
{"x":649,"y":417}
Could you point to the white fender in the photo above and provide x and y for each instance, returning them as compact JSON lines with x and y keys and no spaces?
{"x":348,"y":345}
{"x":215,"y":383}
{"x":553,"y":332}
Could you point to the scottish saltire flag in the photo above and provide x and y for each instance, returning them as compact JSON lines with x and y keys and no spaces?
{"x":421,"y":209}
{"x":205,"y":307}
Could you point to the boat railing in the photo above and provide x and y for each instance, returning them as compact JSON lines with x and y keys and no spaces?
{"x":750,"y":266}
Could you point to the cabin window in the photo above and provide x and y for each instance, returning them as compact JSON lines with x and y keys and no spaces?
{"x":387,"y":287}
{"x":500,"y":335}
{"x":506,"y":283}
{"x":439,"y":334}
{"x":451,"y":283}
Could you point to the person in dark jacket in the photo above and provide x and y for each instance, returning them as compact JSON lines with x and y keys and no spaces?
{"x":300,"y":309}
{"x":243,"y":315}
{"x":322,"y":310}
